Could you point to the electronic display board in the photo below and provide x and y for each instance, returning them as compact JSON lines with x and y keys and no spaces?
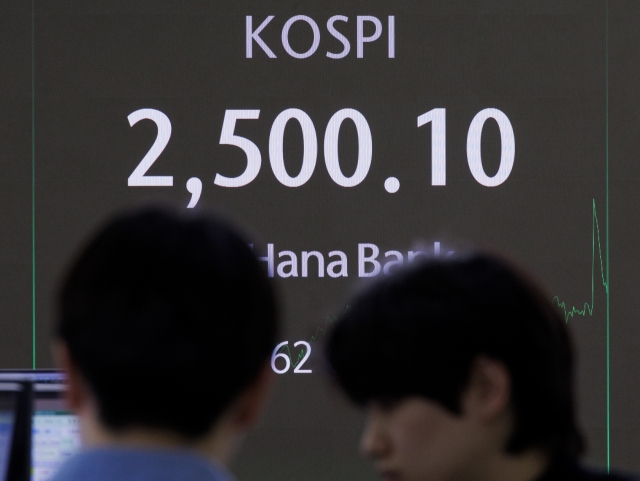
{"x":349,"y":138}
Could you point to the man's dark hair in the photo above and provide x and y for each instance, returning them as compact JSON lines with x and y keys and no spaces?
{"x":168,"y":318}
{"x":419,"y":331}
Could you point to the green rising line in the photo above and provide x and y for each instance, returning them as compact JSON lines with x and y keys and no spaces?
{"x":587,"y":308}
{"x":569,"y":312}
{"x":319,"y":330}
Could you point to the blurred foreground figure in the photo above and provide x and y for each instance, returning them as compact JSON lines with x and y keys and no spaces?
{"x":165,"y":327}
{"x":465,"y":370}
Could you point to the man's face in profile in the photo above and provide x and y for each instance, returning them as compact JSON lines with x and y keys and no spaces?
{"x":416,"y":439}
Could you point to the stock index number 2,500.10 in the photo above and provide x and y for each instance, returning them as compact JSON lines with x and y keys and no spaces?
{"x":436,"y":117}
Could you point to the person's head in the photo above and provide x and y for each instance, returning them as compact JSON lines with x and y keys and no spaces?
{"x":458,"y":362}
{"x":165,"y":324}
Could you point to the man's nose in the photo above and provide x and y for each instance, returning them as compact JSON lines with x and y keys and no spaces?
{"x":374,"y":443}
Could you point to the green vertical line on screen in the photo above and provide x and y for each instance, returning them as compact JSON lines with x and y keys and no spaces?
{"x":587,"y":307}
{"x":33,"y":182}
{"x":607,"y":229}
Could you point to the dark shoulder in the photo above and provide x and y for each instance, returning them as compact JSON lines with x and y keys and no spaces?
{"x":573,"y":471}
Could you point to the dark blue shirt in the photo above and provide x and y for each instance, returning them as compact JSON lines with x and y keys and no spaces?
{"x":139,"y":465}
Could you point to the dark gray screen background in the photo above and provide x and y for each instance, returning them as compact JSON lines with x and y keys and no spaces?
{"x":543,"y":63}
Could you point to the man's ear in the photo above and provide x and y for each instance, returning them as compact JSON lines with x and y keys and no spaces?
{"x":77,"y":393}
{"x":253,"y":399}
{"x":488,"y":392}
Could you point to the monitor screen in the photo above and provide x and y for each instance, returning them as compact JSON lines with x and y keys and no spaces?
{"x":352,"y":138}
{"x":8,"y":406}
{"x":55,"y":435}
{"x":54,"y":428}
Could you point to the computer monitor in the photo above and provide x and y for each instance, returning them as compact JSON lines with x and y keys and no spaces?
{"x":15,"y":430}
{"x":8,"y":408}
{"x":55,"y":435}
{"x":54,"y":432}
{"x":9,"y":400}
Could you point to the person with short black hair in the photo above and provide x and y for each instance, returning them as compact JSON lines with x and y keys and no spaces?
{"x":465,"y":369}
{"x":165,"y":327}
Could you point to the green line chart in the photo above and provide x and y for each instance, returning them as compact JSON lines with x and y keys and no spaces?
{"x":587,"y":307}
{"x":568,"y":311}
